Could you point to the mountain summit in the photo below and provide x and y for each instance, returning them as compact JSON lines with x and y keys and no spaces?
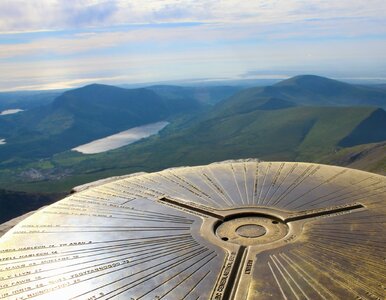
{"x":316,"y":90}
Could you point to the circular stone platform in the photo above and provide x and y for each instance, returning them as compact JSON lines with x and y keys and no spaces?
{"x":232,"y":230}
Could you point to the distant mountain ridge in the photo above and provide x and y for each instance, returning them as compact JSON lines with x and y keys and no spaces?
{"x":319,"y":91}
{"x":27,"y":99}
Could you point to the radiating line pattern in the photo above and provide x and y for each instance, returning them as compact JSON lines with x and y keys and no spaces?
{"x":88,"y":247}
{"x":288,"y":186}
{"x":120,"y":241}
{"x":338,"y":258}
{"x":334,"y":265}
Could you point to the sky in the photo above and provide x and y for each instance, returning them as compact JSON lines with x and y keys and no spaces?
{"x":53,"y":44}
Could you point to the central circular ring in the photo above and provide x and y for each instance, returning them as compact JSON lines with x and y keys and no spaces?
{"x":251,"y":230}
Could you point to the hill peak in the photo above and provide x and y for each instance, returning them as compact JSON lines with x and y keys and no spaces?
{"x":98,"y":86}
{"x":302,"y":80}
{"x":102,"y":92}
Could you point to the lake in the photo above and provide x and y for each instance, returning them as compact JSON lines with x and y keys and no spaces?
{"x":10,"y":111}
{"x":121,"y":139}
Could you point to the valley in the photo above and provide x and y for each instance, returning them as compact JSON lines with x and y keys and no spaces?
{"x":305,"y":118}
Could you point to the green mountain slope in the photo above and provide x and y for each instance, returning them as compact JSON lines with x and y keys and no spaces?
{"x":293,"y":133}
{"x":296,"y":133}
{"x":371,"y":130}
{"x":248,"y":124}
{"x":367,"y":157}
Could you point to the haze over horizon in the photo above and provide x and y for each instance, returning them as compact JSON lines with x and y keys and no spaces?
{"x":48,"y":44}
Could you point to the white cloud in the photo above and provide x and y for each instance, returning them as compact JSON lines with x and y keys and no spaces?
{"x":156,"y":38}
{"x":228,"y":38}
{"x":37,"y":15}
{"x":345,"y":58}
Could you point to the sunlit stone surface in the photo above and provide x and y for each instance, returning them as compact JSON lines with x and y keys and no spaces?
{"x":234,"y":230}
{"x":121,"y":139}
